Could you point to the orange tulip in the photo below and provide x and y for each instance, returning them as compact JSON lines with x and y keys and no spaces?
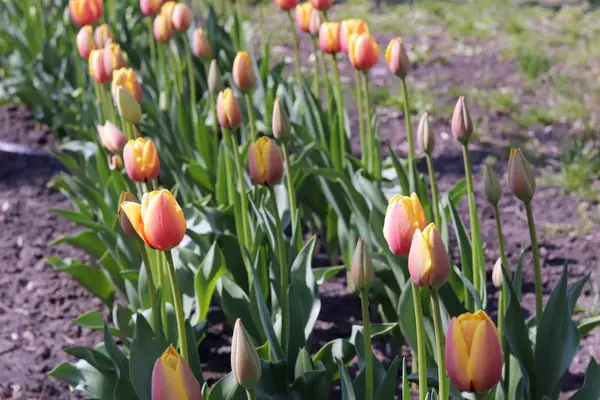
{"x":397,"y":58}
{"x":172,"y":378}
{"x":181,"y":17}
{"x":428,"y":262}
{"x":128,"y":79}
{"x":113,"y":58}
{"x":141,"y":160}
{"x":201,"y":45}
{"x":103,"y":36}
{"x":86,"y":12}
{"x":162,"y":28}
{"x":97,"y":67}
{"x":151,"y":7}
{"x":403,"y":217}
{"x":329,"y":37}
{"x":265,"y":165}
{"x":158,"y":220}
{"x":473,"y":352}
{"x":111,"y":137}
{"x":242,"y":71}
{"x":303,"y":12}
{"x":351,"y":27}
{"x":363,"y":51}
{"x":85,"y":41}
{"x":228,"y":110}
{"x":322,"y":5}
{"x":286,"y":4}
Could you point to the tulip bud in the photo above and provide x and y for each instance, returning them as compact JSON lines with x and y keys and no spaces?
{"x":228,"y":110}
{"x":103,"y":36}
{"x":265,"y":165}
{"x":85,"y":42}
{"x":351,"y":27}
{"x":520,"y":177}
{"x":491,"y":185}
{"x":115,"y":162}
{"x":281,"y":122}
{"x":97,"y":67}
{"x":397,"y":58}
{"x":473,"y":352}
{"x":363,"y":51}
{"x":303,"y":364}
{"x":126,"y":225}
{"x":151,"y":7}
{"x":113,"y":58}
{"x":201,"y":45}
{"x":362,"y":272}
{"x":428,"y":262}
{"x":162,"y":28}
{"x":303,"y":12}
{"x":181,"y":17}
{"x":242,"y":71}
{"x":214,"y":77}
{"x":126,"y":78}
{"x":404,"y":215}
{"x":315,"y":22}
{"x":329,"y":37}
{"x":128,"y":106}
{"x":245,"y":363}
{"x":141,"y":160}
{"x":322,"y":5}
{"x":86,"y":12}
{"x":111,"y":137}
{"x":172,"y":378}
{"x":167,"y":10}
{"x":158,"y":220}
{"x":497,"y":276}
{"x":462,"y":126}
{"x":425,"y":137}
{"x":286,"y":4}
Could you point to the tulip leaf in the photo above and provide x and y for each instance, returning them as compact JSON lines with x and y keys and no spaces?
{"x":303,"y":279}
{"x":400,"y":172}
{"x":466,"y":260}
{"x":587,"y":324}
{"x":591,"y":383}
{"x":298,"y":312}
{"x":82,"y":376}
{"x":194,"y":356}
{"x":273,"y":381}
{"x":78,"y":218}
{"x":517,"y":282}
{"x":92,"y":278}
{"x":378,"y":370}
{"x":200,"y":176}
{"x":376,"y":330}
{"x":345,"y":382}
{"x":95,"y":358}
{"x":314,"y":385}
{"x":227,"y":388}
{"x":121,"y":363}
{"x":388,"y":386}
{"x":236,"y":304}
{"x":337,"y":349}
{"x":145,"y":350}
{"x":210,"y":271}
{"x":406,"y":315}
{"x":94,"y":321}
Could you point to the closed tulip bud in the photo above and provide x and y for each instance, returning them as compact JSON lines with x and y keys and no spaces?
{"x":397,"y":59}
{"x":245,"y":363}
{"x":520,"y":177}
{"x":303,"y":12}
{"x":491,"y":185}
{"x":113,"y":58}
{"x":315,"y":22}
{"x":473,"y":352}
{"x":403,"y":217}
{"x":428,"y":262}
{"x":265,"y":165}
{"x":181,"y":18}
{"x":281,"y":122}
{"x":286,"y":4}
{"x":111,"y":137}
{"x":85,"y":41}
{"x":151,"y":7}
{"x":425,"y":136}
{"x":172,"y":378}
{"x":351,"y":27}
{"x":215,"y":83}
{"x":162,"y":28}
{"x":158,"y":220}
{"x":141,"y":160}
{"x":126,"y":78}
{"x":322,"y":5}
{"x":126,"y":225}
{"x":103,"y":36}
{"x":115,"y":162}
{"x":303,"y":364}
{"x":86,"y":12}
{"x":361,"y":271}
{"x":497,"y":275}
{"x":228,"y":110}
{"x":97,"y":67}
{"x":128,"y":106}
{"x":329,"y":37}
{"x":242,"y":71}
{"x":363,"y":51}
{"x":201,"y":45}
{"x":462,"y":126}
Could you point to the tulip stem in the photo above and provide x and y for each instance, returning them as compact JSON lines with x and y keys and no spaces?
{"x":251,"y":394}
{"x":434,"y":191}
{"x":536,"y":264}
{"x":192,"y":83}
{"x":151,"y":44}
{"x":340,"y":111}
{"x":296,"y":51}
{"x":316,"y":79}
{"x":151,"y":290}
{"x":163,"y":69}
{"x":290,"y":189}
{"x":178,"y":306}
{"x":242,"y":189}
{"x":374,"y":155}
{"x":364,"y":297}
{"x":250,"y":109}
{"x":328,"y":90}
{"x":422,"y":357}
{"x":409,"y":138}
{"x":283,"y":272}
{"x":473,"y":273}
{"x":365,"y":152}
{"x":504,"y":296}
{"x":444,"y":391}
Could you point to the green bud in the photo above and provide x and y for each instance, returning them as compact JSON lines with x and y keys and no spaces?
{"x":281,"y":122}
{"x":362,"y":272}
{"x":491,"y":185}
{"x":245,"y":363}
{"x":128,"y":106}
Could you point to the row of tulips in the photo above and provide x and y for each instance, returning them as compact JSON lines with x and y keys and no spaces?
{"x":201,"y":232}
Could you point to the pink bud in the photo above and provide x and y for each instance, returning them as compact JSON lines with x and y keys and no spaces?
{"x":181,"y":17}
{"x":111,"y":137}
{"x":85,"y":41}
{"x":265,"y":165}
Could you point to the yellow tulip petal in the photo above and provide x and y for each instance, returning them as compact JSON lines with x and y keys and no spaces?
{"x":133,"y":211}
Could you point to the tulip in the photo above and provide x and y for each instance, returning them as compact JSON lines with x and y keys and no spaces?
{"x":497,"y":276}
{"x":329,"y":37}
{"x":201,"y":45}
{"x":428,"y":262}
{"x":315,"y":21}
{"x":265,"y":165}
{"x":361,"y":271}
{"x":286,"y":4}
{"x":363,"y":51}
{"x":281,"y":125}
{"x":303,"y":12}
{"x":97,"y":67}
{"x":403,"y":217}
{"x":172,"y":378}
{"x":162,"y":28}
{"x":473,"y":352}
{"x":351,"y":27}
{"x":462,"y":126}
{"x":158,"y":220}
{"x":214,"y":80}
{"x":181,"y":17}
{"x":126,"y":78}
{"x":491,"y":185}
{"x":111,"y":137}
{"x":397,"y":58}
{"x":228,"y":110}
{"x":245,"y":363}
{"x":242,"y":71}
{"x":103,"y":36}
{"x":115,"y":162}
{"x":520,"y":176}
{"x":141,"y":160}
{"x":85,"y":41}
{"x":128,"y":106}
{"x":126,"y":225}
{"x":322,"y":5}
{"x":425,"y":136}
{"x":86,"y":12}
{"x":113,"y":58}
{"x":167,"y":10}
{"x":151,"y":7}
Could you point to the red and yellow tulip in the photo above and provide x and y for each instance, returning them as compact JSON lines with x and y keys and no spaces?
{"x":228,"y":110}
{"x":265,"y":165}
{"x":350,"y":27}
{"x":86,"y":12}
{"x":329,"y":37}
{"x":242,"y":71}
{"x":396,"y":57}
{"x":428,"y":262}
{"x":363,"y":51}
{"x":303,"y":12}
{"x":172,"y":378}
{"x":127,"y":78}
{"x":85,"y":41}
{"x":141,"y":160}
{"x":403,"y":217}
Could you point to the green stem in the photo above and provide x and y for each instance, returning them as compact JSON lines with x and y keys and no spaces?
{"x":474,"y":273}
{"x":536,"y":264}
{"x":191,"y":79}
{"x":100,"y":108}
{"x":251,"y":394}
{"x":151,"y":289}
{"x":504,"y":295}
{"x":242,"y":190}
{"x":340,"y":112}
{"x":422,"y":357}
{"x":152,"y":44}
{"x":163,"y":68}
{"x":434,"y":191}
{"x":283,"y":272}
{"x":250,"y":109}
{"x":374,"y":155}
{"x":297,"y":64}
{"x":364,"y":297}
{"x":178,"y":306}
{"x":365,"y":151}
{"x":444,"y":390}
{"x":328,"y":91}
{"x":409,"y":138}
{"x":316,"y":79}
{"x":290,"y":187}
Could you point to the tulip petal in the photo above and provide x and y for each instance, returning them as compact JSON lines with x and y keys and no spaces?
{"x":166,"y":384}
{"x":457,"y":356}
{"x":440,"y":270}
{"x":133,"y":211}
{"x":419,"y":260}
{"x":485,"y":349}
{"x":190,"y":383}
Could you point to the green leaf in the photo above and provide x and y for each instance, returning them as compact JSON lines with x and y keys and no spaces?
{"x":337,"y":349}
{"x":304,"y":281}
{"x":78,"y":218}
{"x":345,"y":382}
{"x":400,"y":172}
{"x":145,"y":350}
{"x":405,"y":391}
{"x":314,"y":385}
{"x":273,"y":382}
{"x":67,"y":372}
{"x":466,"y":260}
{"x":227,"y":388}
{"x":236,"y":304}
{"x":587,"y":324}
{"x":323,"y":274}
{"x":82,"y":376}
{"x":200,"y":176}
{"x":205,"y":281}
{"x":92,"y":278}
{"x":387,"y":388}
{"x":96,"y":359}
{"x":591,"y":384}
{"x":193,"y":355}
